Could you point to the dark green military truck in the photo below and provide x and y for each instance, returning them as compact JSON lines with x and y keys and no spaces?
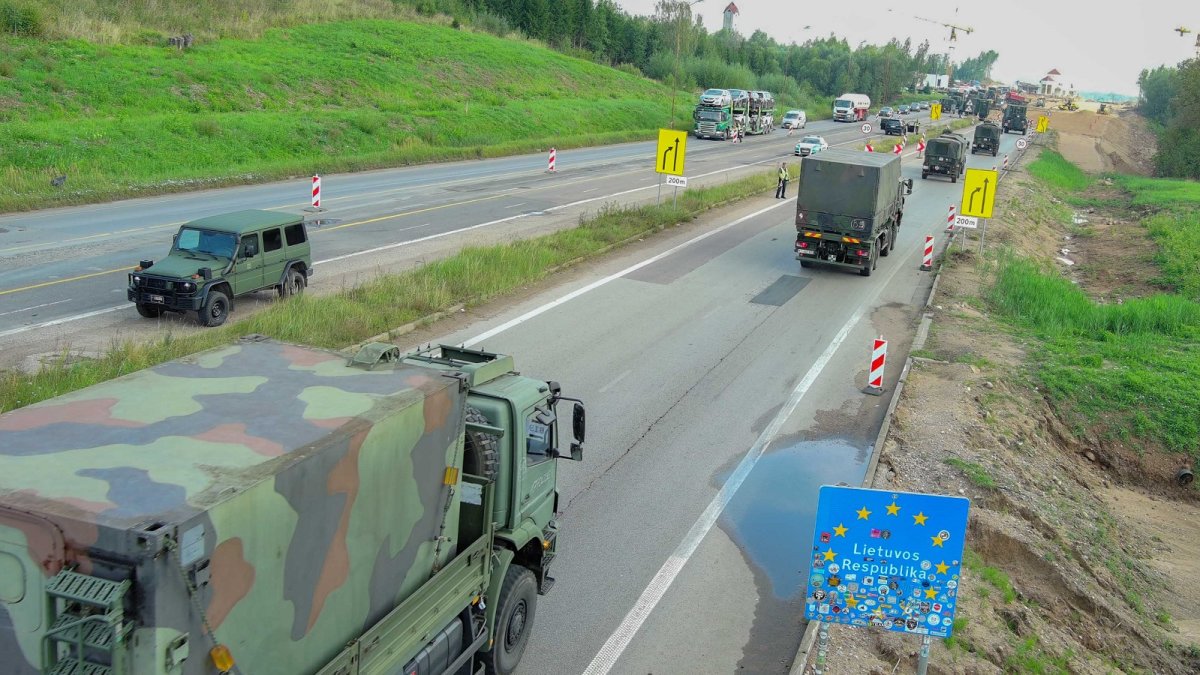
{"x":986,"y":139}
{"x":1015,"y":118}
{"x":946,"y":155}
{"x":848,"y":209}
{"x":270,"y":509}
{"x":215,"y":259}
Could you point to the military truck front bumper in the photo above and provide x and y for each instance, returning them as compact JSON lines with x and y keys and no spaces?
{"x":175,"y":296}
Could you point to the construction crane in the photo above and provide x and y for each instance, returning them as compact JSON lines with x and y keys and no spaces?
{"x":1183,"y":29}
{"x":953,"y":38}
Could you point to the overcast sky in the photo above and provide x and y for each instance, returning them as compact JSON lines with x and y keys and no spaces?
{"x":1097,"y":46}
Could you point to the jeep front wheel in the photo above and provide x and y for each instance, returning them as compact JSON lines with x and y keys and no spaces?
{"x":149,"y":311}
{"x":293,"y":284}
{"x":215,"y":310}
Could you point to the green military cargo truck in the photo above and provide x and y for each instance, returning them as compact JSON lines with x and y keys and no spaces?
{"x":269,"y":509}
{"x":848,"y":209}
{"x":946,"y":154}
{"x":1015,"y":118}
{"x":986,"y":139}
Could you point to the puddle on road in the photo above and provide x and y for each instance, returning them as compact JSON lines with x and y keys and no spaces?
{"x":771,"y":517}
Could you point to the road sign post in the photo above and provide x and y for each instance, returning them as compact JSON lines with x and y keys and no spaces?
{"x":891,"y":560}
{"x":979,"y":193}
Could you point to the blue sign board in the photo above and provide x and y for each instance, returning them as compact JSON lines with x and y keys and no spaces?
{"x":886,"y":559}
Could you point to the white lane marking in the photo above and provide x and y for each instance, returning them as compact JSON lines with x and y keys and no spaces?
{"x":387,"y":247}
{"x":65,"y":319}
{"x":608,"y":655}
{"x":516,"y":205}
{"x":44,"y":304}
{"x":612,"y":277}
{"x":615,"y":380}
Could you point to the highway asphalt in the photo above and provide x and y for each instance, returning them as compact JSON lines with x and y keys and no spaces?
{"x":724,"y":386}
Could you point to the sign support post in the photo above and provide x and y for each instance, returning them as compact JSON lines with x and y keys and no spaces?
{"x":822,"y":648}
{"x":923,"y":659}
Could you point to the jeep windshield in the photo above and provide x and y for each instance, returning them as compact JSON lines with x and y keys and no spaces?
{"x":206,"y":242}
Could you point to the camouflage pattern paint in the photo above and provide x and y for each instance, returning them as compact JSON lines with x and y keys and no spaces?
{"x":301,"y":496}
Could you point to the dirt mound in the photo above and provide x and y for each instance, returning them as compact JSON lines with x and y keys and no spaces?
{"x":1098,"y":143}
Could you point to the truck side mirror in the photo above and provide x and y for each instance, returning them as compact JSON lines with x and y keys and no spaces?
{"x":578,"y":424}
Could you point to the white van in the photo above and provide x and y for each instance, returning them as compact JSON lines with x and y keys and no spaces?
{"x":794,"y":119}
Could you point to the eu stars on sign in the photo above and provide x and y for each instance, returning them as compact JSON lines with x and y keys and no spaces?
{"x":886,"y":559}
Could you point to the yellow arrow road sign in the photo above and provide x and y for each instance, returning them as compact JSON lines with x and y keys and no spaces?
{"x":935,"y":111}
{"x":1043,"y":124}
{"x":672,"y":146}
{"x":979,"y":193}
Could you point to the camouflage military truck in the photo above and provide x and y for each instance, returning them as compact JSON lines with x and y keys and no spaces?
{"x":848,"y":209}
{"x":214,"y":259}
{"x":269,"y":509}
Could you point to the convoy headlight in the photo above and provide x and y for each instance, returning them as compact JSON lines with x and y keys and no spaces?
{"x":187,"y":287}
{"x":137,"y":280}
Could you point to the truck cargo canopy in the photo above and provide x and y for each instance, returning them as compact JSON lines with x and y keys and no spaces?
{"x":848,"y":183}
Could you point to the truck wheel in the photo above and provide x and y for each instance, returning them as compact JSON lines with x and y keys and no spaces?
{"x":994,"y":152}
{"x":215,"y":310}
{"x":924,"y":175}
{"x":293,"y":284}
{"x":954,"y":177}
{"x":481,"y":454}
{"x":149,"y":311}
{"x":514,"y":620}
{"x":866,"y":270}
{"x":885,"y":249}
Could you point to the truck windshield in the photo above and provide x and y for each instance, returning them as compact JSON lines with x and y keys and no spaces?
{"x":842,"y":103}
{"x":220,"y":244}
{"x":710,"y":116}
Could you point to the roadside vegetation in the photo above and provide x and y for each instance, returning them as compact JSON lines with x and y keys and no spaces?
{"x":472,"y":276}
{"x":99,"y":99}
{"x":1127,"y":371}
{"x":1169,"y":96}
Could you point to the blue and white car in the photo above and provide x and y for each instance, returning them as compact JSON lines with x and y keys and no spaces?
{"x":810,"y":145}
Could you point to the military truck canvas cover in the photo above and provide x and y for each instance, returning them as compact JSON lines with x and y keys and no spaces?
{"x":302,"y":497}
{"x":848,"y":183}
{"x":943,"y":147}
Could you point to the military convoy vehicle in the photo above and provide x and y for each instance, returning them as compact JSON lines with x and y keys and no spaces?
{"x":1015,"y":118}
{"x":946,"y":155}
{"x":987,"y":138}
{"x":214,"y":259}
{"x":269,"y":509}
{"x":848,"y":209}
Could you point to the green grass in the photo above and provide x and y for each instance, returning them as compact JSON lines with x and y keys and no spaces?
{"x":1029,"y":657}
{"x":127,"y":119}
{"x":974,"y":472}
{"x":1174,"y":222}
{"x":1000,"y":581}
{"x":472,"y":276}
{"x":1054,"y":170}
{"x":886,"y":144}
{"x":1132,"y":369}
{"x":1161,"y":192}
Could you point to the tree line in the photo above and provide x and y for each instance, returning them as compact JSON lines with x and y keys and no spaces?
{"x":673,"y":45}
{"x":1170,"y":99}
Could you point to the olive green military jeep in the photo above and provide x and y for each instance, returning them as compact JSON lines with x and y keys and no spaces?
{"x":215,"y":259}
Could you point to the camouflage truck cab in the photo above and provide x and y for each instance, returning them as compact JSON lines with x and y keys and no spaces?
{"x":214,"y":259}
{"x":283,"y":510}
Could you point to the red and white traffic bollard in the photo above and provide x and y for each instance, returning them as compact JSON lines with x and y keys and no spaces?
{"x":950,"y":219}
{"x":878,"y":357}
{"x":1006,"y":162}
{"x":927,"y":261}
{"x":316,"y":192}
{"x":552,"y":169}
{"x":898,"y":149}
{"x":869,"y":147}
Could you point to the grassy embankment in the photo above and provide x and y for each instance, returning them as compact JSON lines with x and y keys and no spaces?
{"x":471,"y":276}
{"x":1130,"y":371}
{"x":127,"y":119}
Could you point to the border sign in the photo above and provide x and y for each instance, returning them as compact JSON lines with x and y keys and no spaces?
{"x":672,"y":148}
{"x":886,"y":559}
{"x":979,"y":193}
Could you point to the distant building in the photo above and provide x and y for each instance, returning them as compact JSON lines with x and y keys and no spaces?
{"x":1052,"y":85}
{"x":730,"y":12}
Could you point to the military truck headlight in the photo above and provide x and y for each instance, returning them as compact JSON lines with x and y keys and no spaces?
{"x":858,"y":224}
{"x":136,"y":279}
{"x":187,"y":287}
